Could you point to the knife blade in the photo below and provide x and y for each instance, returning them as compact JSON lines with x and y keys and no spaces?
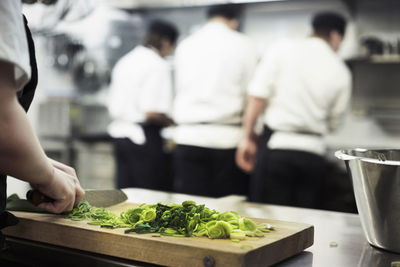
{"x":104,"y":198}
{"x":95,"y":197}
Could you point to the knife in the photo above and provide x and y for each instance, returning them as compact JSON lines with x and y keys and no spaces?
{"x":95,"y":197}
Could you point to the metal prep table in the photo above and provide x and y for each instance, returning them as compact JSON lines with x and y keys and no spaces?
{"x":338,"y":238}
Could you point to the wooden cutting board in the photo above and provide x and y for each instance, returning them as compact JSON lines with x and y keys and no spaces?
{"x":288,"y":239}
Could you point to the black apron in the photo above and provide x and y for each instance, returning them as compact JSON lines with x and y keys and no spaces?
{"x":145,"y":166}
{"x":25,"y":98}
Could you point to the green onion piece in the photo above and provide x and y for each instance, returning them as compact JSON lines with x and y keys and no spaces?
{"x":247,"y":225}
{"x":238,"y":234}
{"x":220,"y":229}
{"x":149,"y":215}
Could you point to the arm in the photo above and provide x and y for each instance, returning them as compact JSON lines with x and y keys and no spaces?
{"x":246,"y":151}
{"x":21,"y":155}
{"x":260,"y":89}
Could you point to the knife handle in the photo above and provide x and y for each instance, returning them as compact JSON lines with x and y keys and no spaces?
{"x":36,"y":197}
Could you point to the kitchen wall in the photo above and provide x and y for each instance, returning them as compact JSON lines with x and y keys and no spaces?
{"x":378,"y":17}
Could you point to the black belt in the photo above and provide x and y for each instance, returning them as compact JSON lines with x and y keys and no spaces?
{"x":213,"y":123}
{"x":305,"y":132}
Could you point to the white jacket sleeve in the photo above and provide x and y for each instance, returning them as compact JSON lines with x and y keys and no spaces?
{"x":250,"y":64}
{"x":13,"y":42}
{"x":263,"y":82}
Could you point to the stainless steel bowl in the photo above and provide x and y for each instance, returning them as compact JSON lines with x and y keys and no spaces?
{"x":376,"y":181}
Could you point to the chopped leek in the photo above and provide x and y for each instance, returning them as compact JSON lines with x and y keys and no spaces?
{"x":186,"y":219}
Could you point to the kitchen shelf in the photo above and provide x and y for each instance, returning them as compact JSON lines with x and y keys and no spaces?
{"x":385,"y":58}
{"x":377,"y":59}
{"x":138,"y":4}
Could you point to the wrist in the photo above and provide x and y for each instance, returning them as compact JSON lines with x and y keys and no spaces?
{"x":250,"y":136}
{"x":47,"y":176}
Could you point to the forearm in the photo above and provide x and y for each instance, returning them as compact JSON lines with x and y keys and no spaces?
{"x":255,"y":106}
{"x":21,"y":155}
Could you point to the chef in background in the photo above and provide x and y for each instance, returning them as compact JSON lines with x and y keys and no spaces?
{"x":303,"y":88}
{"x":140,"y":104}
{"x":213,"y":68}
{"x":21,"y":155}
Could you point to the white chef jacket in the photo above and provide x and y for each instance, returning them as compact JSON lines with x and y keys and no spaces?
{"x":140,"y":83}
{"x":307,"y":87}
{"x":13,"y":42}
{"x":213,"y":68}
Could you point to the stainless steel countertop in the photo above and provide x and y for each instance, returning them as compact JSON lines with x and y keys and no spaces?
{"x":338,"y":237}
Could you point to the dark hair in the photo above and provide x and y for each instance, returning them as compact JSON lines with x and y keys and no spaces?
{"x":159,"y":30}
{"x":229,"y":11}
{"x":325,"y":22}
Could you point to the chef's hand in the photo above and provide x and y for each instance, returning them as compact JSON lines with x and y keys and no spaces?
{"x":63,"y":187}
{"x":65,"y":168}
{"x":246,"y":154}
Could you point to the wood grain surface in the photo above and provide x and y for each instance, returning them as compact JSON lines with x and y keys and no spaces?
{"x":288,"y":239}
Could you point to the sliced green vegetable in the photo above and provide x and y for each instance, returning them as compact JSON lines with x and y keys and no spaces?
{"x":220,"y":229}
{"x":179,"y":220}
{"x":247,"y":225}
{"x":238,"y":234}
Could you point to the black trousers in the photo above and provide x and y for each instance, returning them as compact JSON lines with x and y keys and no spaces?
{"x":144,"y":166}
{"x":208,"y":172}
{"x":287,"y":177}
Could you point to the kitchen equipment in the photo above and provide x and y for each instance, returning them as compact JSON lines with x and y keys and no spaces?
{"x":373,"y":45}
{"x":376,"y":182}
{"x":94,"y":163}
{"x":375,"y":90}
{"x":62,"y":117}
{"x":97,"y":198}
{"x":288,"y":239}
{"x":90,"y":73}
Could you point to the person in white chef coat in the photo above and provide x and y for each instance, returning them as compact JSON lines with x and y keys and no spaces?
{"x":21,"y":155}
{"x":140,"y":103}
{"x":303,"y":88}
{"x":213,"y":68}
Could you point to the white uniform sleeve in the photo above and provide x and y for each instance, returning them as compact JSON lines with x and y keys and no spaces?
{"x":156,"y":91}
{"x":263,"y":82}
{"x":341,"y":104}
{"x":250,"y":65}
{"x":13,"y":43}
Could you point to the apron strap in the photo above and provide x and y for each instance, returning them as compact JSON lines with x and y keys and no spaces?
{"x":25,"y":99}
